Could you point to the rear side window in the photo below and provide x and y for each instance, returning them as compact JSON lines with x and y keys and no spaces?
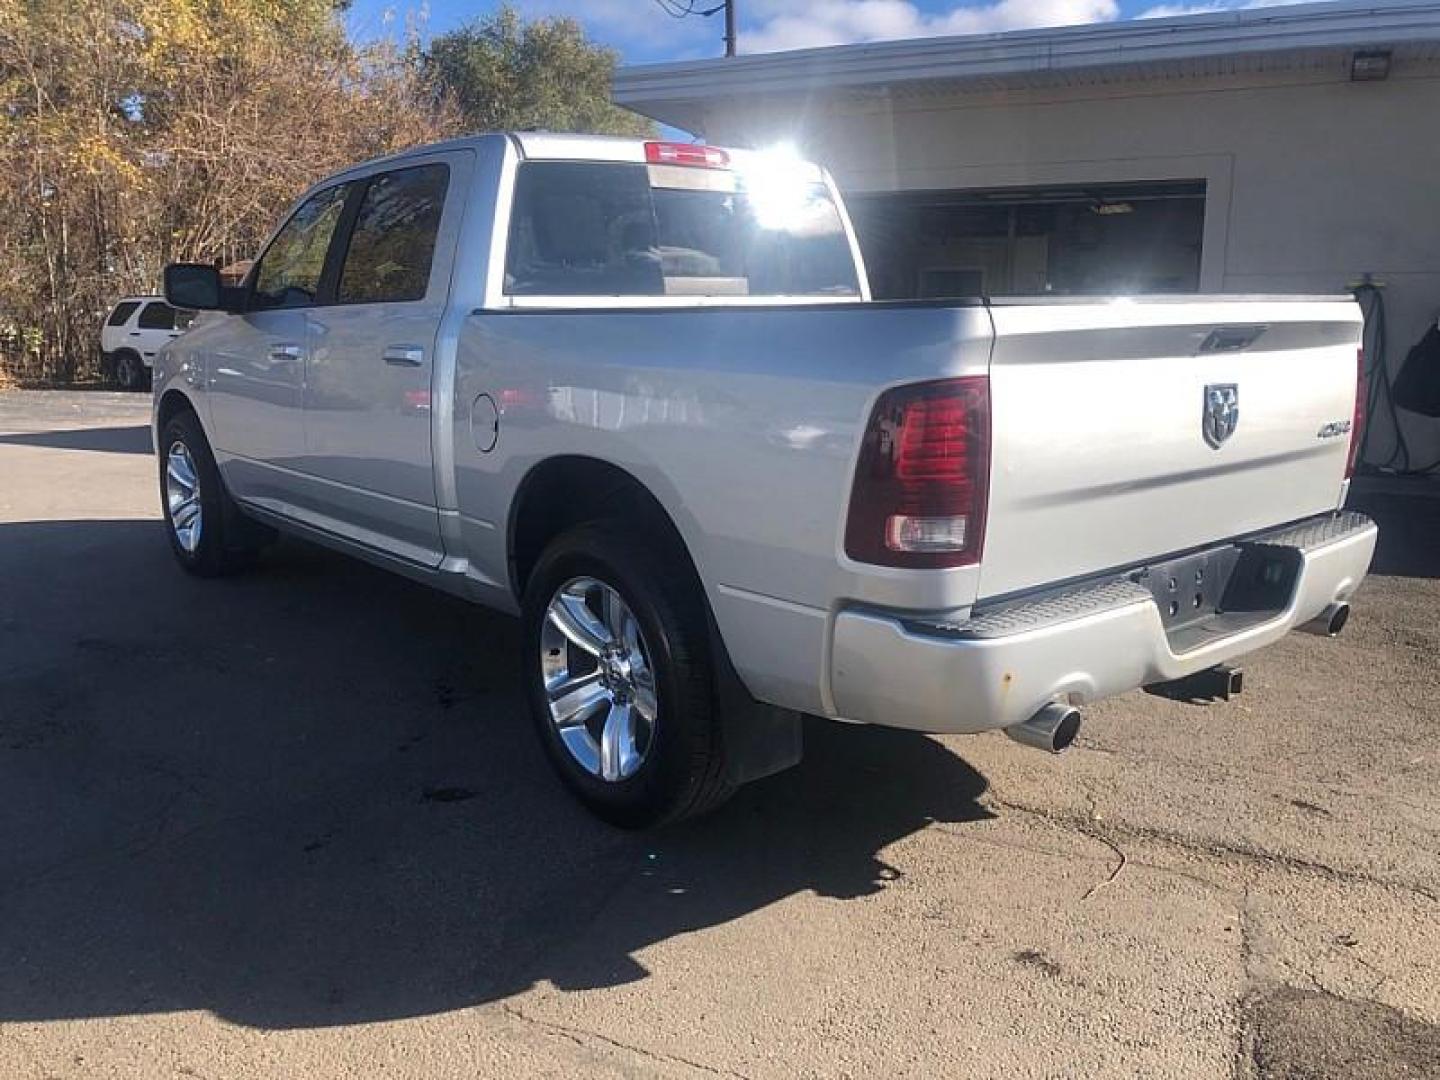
{"x":290,"y":270}
{"x":604,"y":229}
{"x":393,"y":242}
{"x":121,"y":315}
{"x":157,"y":316}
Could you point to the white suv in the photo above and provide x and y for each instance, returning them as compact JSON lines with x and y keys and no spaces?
{"x":133,"y":333}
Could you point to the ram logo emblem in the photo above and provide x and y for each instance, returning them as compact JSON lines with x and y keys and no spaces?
{"x":1222,"y":412}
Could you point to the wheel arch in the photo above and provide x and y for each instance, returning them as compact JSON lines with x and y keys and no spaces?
{"x":566,"y":490}
{"x":172,"y":402}
{"x":563,"y":491}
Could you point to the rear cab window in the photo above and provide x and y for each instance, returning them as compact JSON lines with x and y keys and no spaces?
{"x":621,"y":229}
{"x":392,"y":245}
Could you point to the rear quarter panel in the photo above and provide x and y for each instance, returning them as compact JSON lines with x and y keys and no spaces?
{"x":743,"y":422}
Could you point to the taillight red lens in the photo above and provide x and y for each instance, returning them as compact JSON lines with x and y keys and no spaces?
{"x":923,"y":477}
{"x":692,"y":154}
{"x":1357,"y":422}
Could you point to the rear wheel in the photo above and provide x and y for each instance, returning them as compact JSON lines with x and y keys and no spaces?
{"x":621,"y":678}
{"x":129,"y":371}
{"x":207,"y":532}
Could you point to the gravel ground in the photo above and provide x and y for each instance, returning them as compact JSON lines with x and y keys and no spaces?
{"x":294,"y":824}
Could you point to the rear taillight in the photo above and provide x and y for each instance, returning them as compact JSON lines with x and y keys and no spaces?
{"x":1357,"y":422}
{"x":923,"y":477}
{"x":692,"y":154}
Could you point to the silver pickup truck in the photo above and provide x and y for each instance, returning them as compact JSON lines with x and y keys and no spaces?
{"x":637,"y":393}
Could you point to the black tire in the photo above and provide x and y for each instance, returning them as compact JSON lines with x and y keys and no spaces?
{"x":683,"y":772}
{"x":129,"y":370}
{"x":227,"y":541}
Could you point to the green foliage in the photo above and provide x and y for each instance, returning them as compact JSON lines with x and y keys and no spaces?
{"x":504,"y":73}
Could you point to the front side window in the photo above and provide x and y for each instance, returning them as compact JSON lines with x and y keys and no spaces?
{"x":157,"y":316}
{"x":121,"y":315}
{"x":603,"y":229}
{"x":393,"y":243}
{"x":290,"y":270}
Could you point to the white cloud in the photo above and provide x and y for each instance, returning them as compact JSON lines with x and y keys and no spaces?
{"x":1165,"y":11}
{"x":643,"y":32}
{"x":834,"y":22}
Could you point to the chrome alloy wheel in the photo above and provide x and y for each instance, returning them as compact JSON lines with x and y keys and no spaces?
{"x":182,"y":496}
{"x":599,"y":683}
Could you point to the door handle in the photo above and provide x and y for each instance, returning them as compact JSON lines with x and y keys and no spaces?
{"x":404,"y":355}
{"x":284,"y":354}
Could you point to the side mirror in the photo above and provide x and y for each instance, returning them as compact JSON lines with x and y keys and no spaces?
{"x":196,"y":287}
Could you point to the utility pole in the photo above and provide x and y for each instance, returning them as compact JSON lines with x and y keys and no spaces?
{"x":679,"y":9}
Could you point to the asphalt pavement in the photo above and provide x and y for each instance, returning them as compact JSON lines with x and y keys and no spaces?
{"x":295,"y":824}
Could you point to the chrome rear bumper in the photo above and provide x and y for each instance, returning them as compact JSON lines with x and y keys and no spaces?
{"x":1078,"y":644}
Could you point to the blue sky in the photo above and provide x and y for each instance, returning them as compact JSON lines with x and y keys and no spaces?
{"x":643,"y":32}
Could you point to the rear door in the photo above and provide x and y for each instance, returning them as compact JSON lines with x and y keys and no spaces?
{"x":1126,"y":430}
{"x":368,"y":454}
{"x":157,"y":325}
{"x":114,"y":336}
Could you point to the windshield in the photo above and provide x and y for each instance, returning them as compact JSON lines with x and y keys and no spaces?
{"x":606,"y":229}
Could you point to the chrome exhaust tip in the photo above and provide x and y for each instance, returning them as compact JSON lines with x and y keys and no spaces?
{"x":1329,"y":622}
{"x":1051,"y":729}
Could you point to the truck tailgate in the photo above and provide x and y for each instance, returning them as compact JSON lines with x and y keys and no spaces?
{"x":1099,"y":437}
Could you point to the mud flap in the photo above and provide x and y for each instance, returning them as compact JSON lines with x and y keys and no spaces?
{"x":760,"y":740}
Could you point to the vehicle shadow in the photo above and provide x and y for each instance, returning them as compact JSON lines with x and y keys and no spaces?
{"x":1409,"y":543}
{"x":106,"y":440}
{"x":309,"y":796}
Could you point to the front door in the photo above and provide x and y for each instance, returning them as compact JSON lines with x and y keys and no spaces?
{"x":256,"y":359}
{"x":368,"y":460}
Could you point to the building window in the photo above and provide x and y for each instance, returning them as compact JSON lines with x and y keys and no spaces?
{"x":1080,"y":240}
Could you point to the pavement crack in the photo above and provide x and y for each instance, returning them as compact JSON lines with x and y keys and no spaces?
{"x":1090,"y":830}
{"x":1114,"y":870}
{"x":1074,"y":824}
{"x":580,"y":1035}
{"x":1381,"y":976}
{"x":1247,"y":935}
{"x":1216,"y":849}
{"x":1242,"y":1064}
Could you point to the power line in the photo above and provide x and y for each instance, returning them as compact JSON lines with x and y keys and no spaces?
{"x":680,"y":9}
{"x":675,"y":9}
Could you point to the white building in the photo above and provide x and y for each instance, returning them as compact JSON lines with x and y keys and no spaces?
{"x":1274,"y":150}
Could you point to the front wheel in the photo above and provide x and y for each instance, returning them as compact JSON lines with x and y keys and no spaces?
{"x":207,"y":532}
{"x":621,"y":677}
